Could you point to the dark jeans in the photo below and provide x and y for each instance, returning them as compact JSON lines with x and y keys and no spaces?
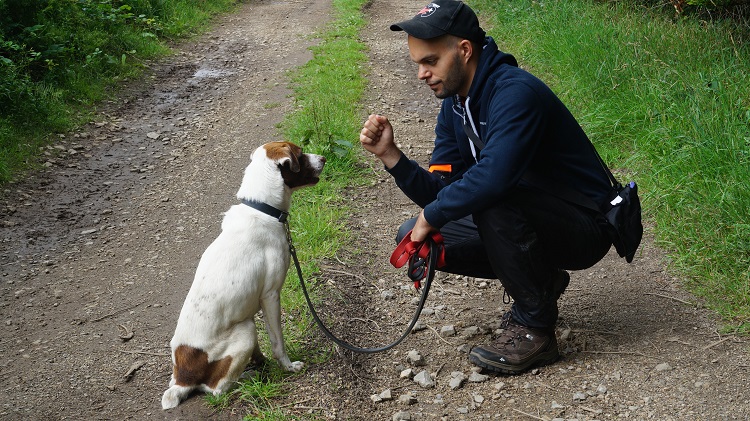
{"x":525,"y":241}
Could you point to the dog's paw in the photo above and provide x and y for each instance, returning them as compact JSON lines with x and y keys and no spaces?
{"x":295,"y":366}
{"x":169,"y":400}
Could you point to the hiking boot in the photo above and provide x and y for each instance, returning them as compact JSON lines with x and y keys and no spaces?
{"x":561,"y":282}
{"x":517,"y":349}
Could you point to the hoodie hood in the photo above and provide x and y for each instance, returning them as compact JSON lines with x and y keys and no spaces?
{"x":489,"y":60}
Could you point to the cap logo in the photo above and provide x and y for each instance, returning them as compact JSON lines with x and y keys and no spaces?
{"x":428,"y":10}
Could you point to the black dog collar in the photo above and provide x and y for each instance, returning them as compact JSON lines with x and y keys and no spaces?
{"x":267,"y":209}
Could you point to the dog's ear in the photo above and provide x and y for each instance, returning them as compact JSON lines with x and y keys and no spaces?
{"x":290,"y":160}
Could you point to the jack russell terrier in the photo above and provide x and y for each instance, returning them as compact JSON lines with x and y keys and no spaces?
{"x":240,"y":273}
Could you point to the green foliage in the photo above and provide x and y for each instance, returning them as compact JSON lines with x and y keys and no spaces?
{"x":666,"y":102}
{"x":329,"y":87}
{"x":327,"y":91}
{"x":58,"y":57}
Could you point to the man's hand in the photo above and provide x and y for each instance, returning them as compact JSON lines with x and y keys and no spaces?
{"x":422,"y":229}
{"x":377,"y":138}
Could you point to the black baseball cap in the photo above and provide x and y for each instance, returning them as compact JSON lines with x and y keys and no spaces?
{"x":443,"y":17}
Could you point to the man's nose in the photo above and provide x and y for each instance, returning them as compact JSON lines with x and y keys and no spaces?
{"x":423,"y":73}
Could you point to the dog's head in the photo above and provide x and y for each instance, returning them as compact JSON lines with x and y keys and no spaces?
{"x":297,"y":169}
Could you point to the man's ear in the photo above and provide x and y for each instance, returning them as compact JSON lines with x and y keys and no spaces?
{"x":465,"y":50}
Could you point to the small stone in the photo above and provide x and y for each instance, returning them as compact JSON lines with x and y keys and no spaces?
{"x":462,"y":410}
{"x":556,"y":405}
{"x":499,"y":385}
{"x":415,"y":358}
{"x":386,"y":395}
{"x":601,"y":389}
{"x":457,"y":379}
{"x":387,"y":294}
{"x":470,"y":332}
{"x":375,"y":398}
{"x":663,"y":367}
{"x":152,"y":135}
{"x":475,"y":377}
{"x":406,"y":374}
{"x":89,"y":231}
{"x":424,"y":379}
{"x":579,"y":396}
{"x":402,"y":416}
{"x":407,"y":399}
{"x":418,"y":326}
{"x":478,"y":399}
{"x":464,"y":348}
{"x":564,"y":335}
{"x":449,"y":330}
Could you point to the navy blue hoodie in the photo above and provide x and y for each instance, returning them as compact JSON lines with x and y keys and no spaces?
{"x":527,"y":131}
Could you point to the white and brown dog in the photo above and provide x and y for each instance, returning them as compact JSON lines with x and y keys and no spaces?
{"x":241,"y":272}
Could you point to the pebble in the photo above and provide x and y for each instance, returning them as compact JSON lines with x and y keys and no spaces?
{"x":449,"y":330}
{"x":556,"y":405}
{"x":415,"y":358}
{"x":418,"y":326}
{"x":579,"y":396}
{"x":470,"y":332}
{"x":475,"y":377}
{"x":407,"y":399}
{"x":457,"y":379}
{"x":406,"y":374}
{"x":424,"y":379}
{"x":464,"y":348}
{"x":663,"y":367}
{"x":402,"y":416}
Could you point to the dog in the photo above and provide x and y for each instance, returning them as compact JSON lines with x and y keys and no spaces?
{"x":240,"y":273}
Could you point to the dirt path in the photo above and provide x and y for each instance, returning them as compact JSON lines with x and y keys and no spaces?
{"x":106,"y":241}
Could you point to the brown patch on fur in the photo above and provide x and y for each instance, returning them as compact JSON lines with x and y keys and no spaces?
{"x":192,"y":368}
{"x":277,"y":151}
{"x":296,"y":173}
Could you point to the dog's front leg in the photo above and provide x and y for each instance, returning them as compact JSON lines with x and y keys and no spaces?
{"x":271,"y":305}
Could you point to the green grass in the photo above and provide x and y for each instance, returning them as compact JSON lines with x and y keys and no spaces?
{"x":326,"y":121}
{"x":666,"y":101}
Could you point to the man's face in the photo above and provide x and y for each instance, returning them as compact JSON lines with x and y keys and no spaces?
{"x":440,"y":65}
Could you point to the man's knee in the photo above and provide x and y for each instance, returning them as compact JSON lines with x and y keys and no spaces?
{"x":404,"y":229}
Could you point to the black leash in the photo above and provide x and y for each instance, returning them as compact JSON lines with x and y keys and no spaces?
{"x":431,"y":265}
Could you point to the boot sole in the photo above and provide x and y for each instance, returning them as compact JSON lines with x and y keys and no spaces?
{"x":545,"y":358}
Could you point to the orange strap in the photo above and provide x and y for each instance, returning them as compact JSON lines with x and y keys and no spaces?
{"x":440,"y":167}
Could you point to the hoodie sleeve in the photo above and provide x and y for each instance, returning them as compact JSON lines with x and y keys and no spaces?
{"x":420,"y":185}
{"x":514,"y":131}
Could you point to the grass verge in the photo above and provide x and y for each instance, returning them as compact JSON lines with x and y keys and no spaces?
{"x":665,"y":100}
{"x":327,"y":91}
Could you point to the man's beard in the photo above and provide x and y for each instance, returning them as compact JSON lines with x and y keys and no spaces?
{"x":453,"y":81}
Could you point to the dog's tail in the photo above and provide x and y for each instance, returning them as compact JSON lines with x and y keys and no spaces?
{"x":174,"y":395}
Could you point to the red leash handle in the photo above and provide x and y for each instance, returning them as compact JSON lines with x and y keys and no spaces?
{"x":417,"y":254}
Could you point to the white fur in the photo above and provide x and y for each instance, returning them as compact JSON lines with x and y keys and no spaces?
{"x":240,"y":273}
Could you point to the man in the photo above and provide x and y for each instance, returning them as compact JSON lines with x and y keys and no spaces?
{"x":505,"y":150}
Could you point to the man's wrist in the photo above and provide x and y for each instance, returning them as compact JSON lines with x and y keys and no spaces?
{"x":390,"y":158}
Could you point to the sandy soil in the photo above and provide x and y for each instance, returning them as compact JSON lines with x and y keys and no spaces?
{"x":103,"y":244}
